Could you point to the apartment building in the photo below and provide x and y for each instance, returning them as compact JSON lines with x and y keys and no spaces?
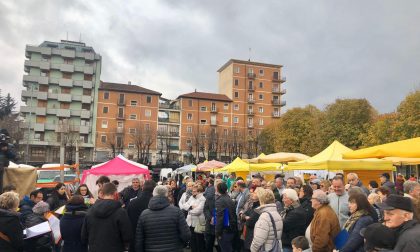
{"x":127,"y":118}
{"x":256,"y":90}
{"x":205,"y":119}
{"x":61,"y":85}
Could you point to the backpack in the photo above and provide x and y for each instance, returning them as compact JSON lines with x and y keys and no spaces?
{"x":276,"y":243}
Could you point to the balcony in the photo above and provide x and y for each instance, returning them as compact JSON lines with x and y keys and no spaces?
{"x":42,"y":96}
{"x":276,"y":114}
{"x":251,"y":76}
{"x":251,"y":112}
{"x":68,"y":53}
{"x":39,"y":127}
{"x":85,"y":114}
{"x":121,"y":102}
{"x":276,"y":90}
{"x":84,"y":129}
{"x":163,"y":119}
{"x":44,"y":65}
{"x":86,"y":99}
{"x":120,"y":130}
{"x":63,"y":112}
{"x":283,"y":103}
{"x":251,"y":88}
{"x":26,"y":109}
{"x":250,"y":125}
{"x":213,"y":123}
{"x":67,"y":68}
{"x":251,"y":100}
{"x":174,"y":134}
{"x":120,"y":116}
{"x":88,"y":70}
{"x":64,"y":97}
{"x":173,"y":147}
{"x":275,"y":102}
{"x":41,"y":111}
{"x":168,"y":106}
{"x":283,"y":91}
{"x":76,"y":112}
{"x":214,"y":110}
{"x":50,"y":126}
{"x":65,"y":82}
{"x":279,"y":79}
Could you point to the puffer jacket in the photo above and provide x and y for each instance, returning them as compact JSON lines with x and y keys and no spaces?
{"x":71,"y":227}
{"x":263,"y":231}
{"x":196,"y":214}
{"x":161,"y":228}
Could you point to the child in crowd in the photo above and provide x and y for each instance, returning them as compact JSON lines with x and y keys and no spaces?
{"x":300,"y":244}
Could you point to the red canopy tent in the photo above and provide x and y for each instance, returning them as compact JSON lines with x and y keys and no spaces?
{"x":119,"y":168}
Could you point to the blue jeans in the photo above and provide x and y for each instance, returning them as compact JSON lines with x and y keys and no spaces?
{"x":286,"y":249}
{"x":225,"y":242}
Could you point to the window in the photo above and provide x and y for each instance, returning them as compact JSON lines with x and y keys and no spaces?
{"x":225,"y":119}
{"x":67,"y":75}
{"x":37,"y":152}
{"x":261,"y":121}
{"x":120,"y":112}
{"x":103,"y":138}
{"x":261,"y":85}
{"x":189,"y":129}
{"x":203,"y":121}
{"x":87,"y":92}
{"x":147,"y":112}
{"x":190,"y":103}
{"x":44,"y":74}
{"x":132,"y":130}
{"x":237,"y":69}
{"x":64,"y":105}
{"x":105,"y":110}
{"x":87,"y":77}
{"x":275,"y":75}
{"x":261,"y":109}
{"x":189,"y":116}
{"x":261,"y":72}
{"x":236,"y":107}
{"x":65,"y":90}
{"x":133,"y":103}
{"x":250,"y":85}
{"x":203,"y":108}
{"x":203,"y":135}
{"x":250,"y":70}
{"x":236,"y":94}
{"x":121,"y":99}
{"x":236,"y":82}
{"x":104,"y":124}
{"x":133,"y":117}
{"x":84,"y":138}
{"x":147,"y":127}
{"x":189,"y":142}
{"x":225,"y":132}
{"x":120,"y":124}
{"x":235,"y":119}
{"x":148,"y":99}
{"x":131,"y":146}
{"x":226,"y":106}
{"x":261,"y":97}
{"x":106,"y":95}
{"x":213,"y":106}
{"x":119,"y":141}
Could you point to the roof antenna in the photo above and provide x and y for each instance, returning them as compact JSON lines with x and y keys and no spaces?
{"x":249,"y":59}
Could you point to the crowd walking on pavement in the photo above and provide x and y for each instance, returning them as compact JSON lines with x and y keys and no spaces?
{"x":220,"y":213}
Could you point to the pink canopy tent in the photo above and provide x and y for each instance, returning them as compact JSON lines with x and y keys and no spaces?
{"x":119,"y":168}
{"x":210,"y":165}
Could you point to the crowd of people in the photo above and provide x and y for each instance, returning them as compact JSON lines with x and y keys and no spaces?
{"x":220,"y":213}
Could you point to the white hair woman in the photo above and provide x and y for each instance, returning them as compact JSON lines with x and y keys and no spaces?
{"x":11,"y":232}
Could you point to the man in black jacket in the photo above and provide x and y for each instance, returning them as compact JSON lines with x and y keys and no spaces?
{"x":226,"y":224}
{"x":138,"y":205}
{"x":162,"y":227}
{"x":294,"y":219}
{"x":130,"y":192}
{"x":107,"y":226}
{"x":27,"y":203}
{"x":209,"y":210}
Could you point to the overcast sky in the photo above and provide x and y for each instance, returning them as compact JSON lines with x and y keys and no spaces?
{"x":329,"y":49}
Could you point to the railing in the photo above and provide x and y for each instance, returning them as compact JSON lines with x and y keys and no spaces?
{"x":251,"y":88}
{"x":168,"y":106}
{"x":275,"y":102}
{"x":214,"y":110}
{"x":276,"y":114}
{"x":251,"y":75}
{"x":279,"y":79}
{"x":120,"y":116}
{"x":250,"y":112}
{"x":283,"y":103}
{"x":121,"y":102}
{"x":283,"y":91}
{"x":163,"y":119}
{"x":213,"y":123}
{"x":250,"y":125}
{"x":174,"y":134}
{"x":251,"y":100}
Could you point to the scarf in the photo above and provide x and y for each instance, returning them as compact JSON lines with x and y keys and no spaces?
{"x":287,"y":209}
{"x":189,"y":193}
{"x":354,"y":218}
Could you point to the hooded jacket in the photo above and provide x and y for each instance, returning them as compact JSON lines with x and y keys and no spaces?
{"x":294,"y":225}
{"x":71,"y":226}
{"x":264,"y":236}
{"x":25,"y":207}
{"x":106,"y":227}
{"x":161,"y":228}
{"x":11,"y":227}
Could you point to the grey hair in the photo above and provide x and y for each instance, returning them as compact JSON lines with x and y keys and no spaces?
{"x":41,"y":207}
{"x":409,"y":186}
{"x":160,"y":190}
{"x":353,"y":174}
{"x":321,"y":196}
{"x":355,"y":190}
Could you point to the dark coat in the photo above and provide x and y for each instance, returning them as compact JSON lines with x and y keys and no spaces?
{"x":42,"y":243}
{"x":25,"y":208}
{"x":11,"y":227}
{"x":224,"y":203}
{"x":161,"y":228}
{"x":56,"y":200}
{"x":209,"y":208}
{"x":390,"y":186}
{"x":107,"y":227}
{"x":355,"y":242}
{"x":250,"y":224}
{"x":71,"y":227}
{"x":127,"y":194}
{"x":134,"y":210}
{"x":306,"y":204}
{"x":408,"y":237}
{"x":294,"y":225}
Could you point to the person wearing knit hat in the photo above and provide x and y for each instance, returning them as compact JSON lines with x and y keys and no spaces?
{"x":41,"y":207}
{"x":294,"y":219}
{"x":43,"y":242}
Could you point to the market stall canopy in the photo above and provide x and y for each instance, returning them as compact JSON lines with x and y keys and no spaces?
{"x":282,"y":157}
{"x":267,"y":167}
{"x":210,"y":165}
{"x":122,"y":158}
{"x":409,"y":148}
{"x":332,"y":159}
{"x":254,"y":160}
{"x":238,"y":165}
{"x":13,"y":165}
{"x":185,"y":168}
{"x":119,"y":169}
{"x":403,"y":160}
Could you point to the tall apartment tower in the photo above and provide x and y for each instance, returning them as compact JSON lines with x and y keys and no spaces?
{"x":61,"y":89}
{"x":256,"y":91}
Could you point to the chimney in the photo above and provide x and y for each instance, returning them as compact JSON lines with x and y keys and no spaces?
{"x":129,"y":82}
{"x":195,"y":90}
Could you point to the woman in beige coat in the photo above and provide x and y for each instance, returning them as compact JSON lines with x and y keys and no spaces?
{"x":264,"y":236}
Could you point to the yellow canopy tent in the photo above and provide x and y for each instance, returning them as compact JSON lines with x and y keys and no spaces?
{"x":403,"y":161}
{"x":409,"y":148}
{"x":282,"y":157}
{"x":332,"y":159}
{"x":267,"y":167}
{"x":238,"y":166}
